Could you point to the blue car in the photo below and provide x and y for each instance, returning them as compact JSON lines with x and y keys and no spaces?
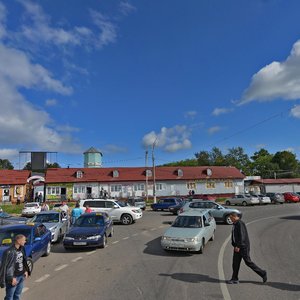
{"x":89,"y":230}
{"x":165,"y":203}
{"x":38,"y":240}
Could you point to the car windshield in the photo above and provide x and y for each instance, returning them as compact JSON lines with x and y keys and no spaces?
{"x":46,"y":218}
{"x":4,"y":215}
{"x":7,"y":236}
{"x":122,"y":204}
{"x":89,"y":221}
{"x":187,"y":222}
{"x":57,"y":205}
{"x":30,"y":205}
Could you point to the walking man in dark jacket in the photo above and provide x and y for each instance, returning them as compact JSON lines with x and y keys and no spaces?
{"x":240,"y":242}
{"x":14,"y":269}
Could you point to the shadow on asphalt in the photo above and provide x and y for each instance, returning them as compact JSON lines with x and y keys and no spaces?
{"x":277,"y":285}
{"x":59,"y":248}
{"x":191,"y":277}
{"x":297,"y":218}
{"x":154,"y":248}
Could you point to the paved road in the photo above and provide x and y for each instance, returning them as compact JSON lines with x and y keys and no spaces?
{"x":134,"y":266}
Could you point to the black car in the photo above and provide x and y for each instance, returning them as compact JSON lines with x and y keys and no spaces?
{"x":6,"y":219}
{"x":174,"y":209}
{"x":276,"y":197}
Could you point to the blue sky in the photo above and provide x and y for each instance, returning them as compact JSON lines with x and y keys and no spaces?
{"x":119,"y":75}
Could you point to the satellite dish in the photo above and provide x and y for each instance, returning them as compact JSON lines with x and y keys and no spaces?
{"x":208,"y":172}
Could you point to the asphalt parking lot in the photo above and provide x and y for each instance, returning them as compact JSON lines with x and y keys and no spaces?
{"x":133,"y":265}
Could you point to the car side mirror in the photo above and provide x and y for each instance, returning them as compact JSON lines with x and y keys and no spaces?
{"x":37,"y":239}
{"x":206,"y":224}
{"x":116,"y":206}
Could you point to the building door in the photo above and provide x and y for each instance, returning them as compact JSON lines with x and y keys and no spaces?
{"x":5,"y":195}
{"x":63,"y":193}
{"x":88,"y":192}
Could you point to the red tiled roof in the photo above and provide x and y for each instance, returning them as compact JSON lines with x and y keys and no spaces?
{"x":138,"y":174}
{"x":13,"y":176}
{"x":278,"y":181}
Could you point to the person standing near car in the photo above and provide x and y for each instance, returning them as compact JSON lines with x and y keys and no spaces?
{"x":241,"y":245}
{"x":14,"y":269}
{"x":87,"y":209}
{"x":76,"y":213}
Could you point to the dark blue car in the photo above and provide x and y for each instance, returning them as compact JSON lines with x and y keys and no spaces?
{"x":89,"y":230}
{"x":38,"y":240}
{"x":165,"y":203}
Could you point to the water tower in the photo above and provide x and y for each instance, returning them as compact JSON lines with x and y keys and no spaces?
{"x":92,"y":158}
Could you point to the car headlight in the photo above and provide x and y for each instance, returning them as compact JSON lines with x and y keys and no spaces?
{"x":94,"y":237}
{"x":165,"y":238}
{"x":68,"y":238}
{"x":136,"y":211}
{"x":190,"y":240}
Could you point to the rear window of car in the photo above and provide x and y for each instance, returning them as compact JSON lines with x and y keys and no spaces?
{"x":31,"y":204}
{"x":94,"y":203}
{"x":90,"y":221}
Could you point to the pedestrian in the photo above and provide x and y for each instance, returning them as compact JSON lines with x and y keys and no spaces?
{"x":241,"y":250}
{"x":45,"y":207}
{"x":14,"y":269}
{"x":76,"y":213}
{"x":88,"y":209}
{"x":18,"y":200}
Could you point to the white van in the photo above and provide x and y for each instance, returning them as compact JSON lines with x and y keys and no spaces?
{"x":124,"y":214}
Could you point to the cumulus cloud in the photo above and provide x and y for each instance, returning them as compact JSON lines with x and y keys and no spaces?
{"x":221,"y":111}
{"x":126,"y":8}
{"x":278,"y":80}
{"x":7,"y":153}
{"x":110,"y":148}
{"x":295,"y":111}
{"x":169,"y":139}
{"x":214,"y":129}
{"x":190,"y":114}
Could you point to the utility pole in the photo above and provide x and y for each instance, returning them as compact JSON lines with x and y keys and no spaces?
{"x":153,"y":166}
{"x":146,"y":167}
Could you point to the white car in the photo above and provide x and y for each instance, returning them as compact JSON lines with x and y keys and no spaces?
{"x":124,"y":214}
{"x":242,"y":200}
{"x":264,"y":199}
{"x":30,"y":209}
{"x":190,"y":231}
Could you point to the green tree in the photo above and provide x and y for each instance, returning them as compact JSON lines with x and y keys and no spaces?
{"x":6,"y":164}
{"x":203,"y":158}
{"x":287,"y":163}
{"x":216,"y":157}
{"x":237,"y":157}
{"x":49,"y":166}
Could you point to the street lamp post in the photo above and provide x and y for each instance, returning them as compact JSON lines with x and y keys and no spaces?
{"x":153,"y":166}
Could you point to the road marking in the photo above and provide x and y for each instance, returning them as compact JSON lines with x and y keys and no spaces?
{"x":25,"y":289}
{"x":76,"y":259}
{"x":115,"y":242}
{"x":125,"y":238}
{"x":91,"y":252}
{"x":223,"y":285}
{"x":60,"y":267}
{"x":42,"y":278}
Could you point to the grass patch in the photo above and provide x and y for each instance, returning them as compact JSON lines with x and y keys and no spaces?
{"x":12,"y":208}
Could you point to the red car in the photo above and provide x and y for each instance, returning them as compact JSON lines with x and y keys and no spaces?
{"x":291,"y":197}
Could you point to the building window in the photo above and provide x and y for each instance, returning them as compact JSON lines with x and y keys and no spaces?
{"x":228,"y":184}
{"x":159,"y":186}
{"x":139,"y":187}
{"x":53,"y":190}
{"x":116,"y":188}
{"x":79,"y":189}
{"x":179,"y":173}
{"x":115,"y":173}
{"x":210,"y":185}
{"x":79,"y":174}
{"x":148,"y":173}
{"x":191,"y":185}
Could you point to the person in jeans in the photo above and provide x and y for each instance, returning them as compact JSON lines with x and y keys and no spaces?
{"x":14,"y":269}
{"x":76,"y":213}
{"x":241,"y":250}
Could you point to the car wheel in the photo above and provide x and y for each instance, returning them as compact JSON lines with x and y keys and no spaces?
{"x":126,"y":219}
{"x":201,"y":250}
{"x":104,"y":241}
{"x":227,"y":203}
{"x":111,"y":233}
{"x":244,"y":203}
{"x":30,"y":264}
{"x":48,"y":250}
{"x":212,"y":237}
{"x":228,"y":220}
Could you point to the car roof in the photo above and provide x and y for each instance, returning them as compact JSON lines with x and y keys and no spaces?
{"x":19,"y":226}
{"x":204,"y":201}
{"x":46,"y":212}
{"x":98,"y":199}
{"x":194,"y":212}
{"x":101,"y":214}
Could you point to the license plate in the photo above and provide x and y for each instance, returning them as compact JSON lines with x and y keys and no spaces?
{"x":79,"y":243}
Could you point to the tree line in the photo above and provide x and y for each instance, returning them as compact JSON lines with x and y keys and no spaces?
{"x":5,"y":164}
{"x":282,"y":164}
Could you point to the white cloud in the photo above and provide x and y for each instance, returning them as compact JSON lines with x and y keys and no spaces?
{"x":295,"y":111}
{"x":278,"y":80}
{"x":214,"y":129}
{"x":260,"y":146}
{"x":110,"y":148}
{"x":126,"y":8}
{"x":66,"y":128}
{"x":6,"y":153}
{"x":190,"y":114}
{"x":220,"y":111}
{"x":169,"y":139}
{"x":51,"y":102}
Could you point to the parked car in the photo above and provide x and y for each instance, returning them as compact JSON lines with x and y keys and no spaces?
{"x":276,"y":197}
{"x":138,"y":202}
{"x":219,"y":212}
{"x":124,"y":214}
{"x":30,"y":209}
{"x":291,"y":197}
{"x":6,"y":219}
{"x":165,"y":203}
{"x":54,"y":221}
{"x":190,"y":231}
{"x":174,"y":209}
{"x":262,"y":199}
{"x":38,"y":240}
{"x":57,"y":206}
{"x":89,"y":230}
{"x":242,"y":200}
